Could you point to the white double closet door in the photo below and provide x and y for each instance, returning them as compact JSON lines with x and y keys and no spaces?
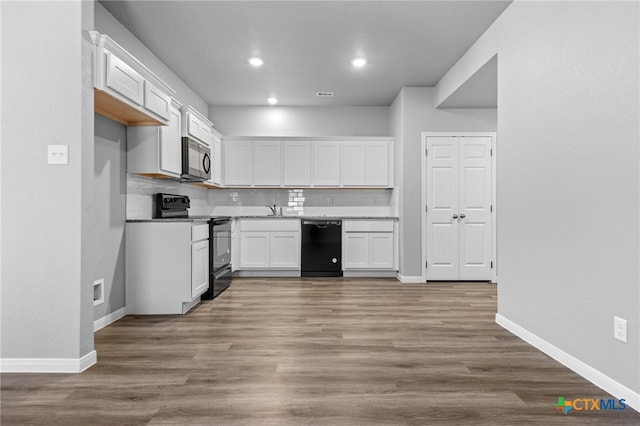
{"x":458,"y":216}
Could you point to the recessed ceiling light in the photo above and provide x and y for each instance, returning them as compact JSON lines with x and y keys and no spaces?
{"x":359,"y":62}
{"x":256,"y":62}
{"x":272,"y":101}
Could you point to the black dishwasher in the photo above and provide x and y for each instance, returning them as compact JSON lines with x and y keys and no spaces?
{"x":321,"y":248}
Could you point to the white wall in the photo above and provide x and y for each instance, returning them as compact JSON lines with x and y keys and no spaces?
{"x":109,"y":207}
{"x":47,"y":307}
{"x":568,"y":175}
{"x":300,"y":121}
{"x":418,"y":115}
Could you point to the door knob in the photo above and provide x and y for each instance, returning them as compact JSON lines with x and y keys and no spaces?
{"x":455,"y":216}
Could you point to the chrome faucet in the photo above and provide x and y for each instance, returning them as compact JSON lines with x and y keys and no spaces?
{"x":274,"y":210}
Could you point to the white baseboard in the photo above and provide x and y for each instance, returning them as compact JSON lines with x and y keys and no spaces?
{"x":265,"y":273}
{"x":108,"y":319}
{"x":599,"y":379}
{"x":48,"y":365}
{"x":368,"y":273}
{"x":411,"y":279}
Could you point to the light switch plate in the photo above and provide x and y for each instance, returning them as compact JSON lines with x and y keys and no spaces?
{"x":58,"y":154}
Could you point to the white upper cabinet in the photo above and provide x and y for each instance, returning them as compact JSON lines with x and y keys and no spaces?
{"x":377,"y":164}
{"x":326,"y":163}
{"x":171,"y":143}
{"x":367,"y":164}
{"x":267,"y":165}
{"x":126,"y":90}
{"x":197,"y":126}
{"x":309,"y":162}
{"x":216,"y":156}
{"x":156,"y":100}
{"x":122,"y":79}
{"x":238,"y":163}
{"x":354,"y":164}
{"x":297,"y":163}
{"x":156,"y":151}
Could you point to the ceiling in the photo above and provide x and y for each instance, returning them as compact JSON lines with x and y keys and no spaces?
{"x":307,"y":46}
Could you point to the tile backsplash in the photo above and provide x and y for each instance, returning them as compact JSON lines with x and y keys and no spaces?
{"x":140,"y":192}
{"x":308,"y":197}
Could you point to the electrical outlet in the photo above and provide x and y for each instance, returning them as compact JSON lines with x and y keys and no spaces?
{"x":620,"y":329}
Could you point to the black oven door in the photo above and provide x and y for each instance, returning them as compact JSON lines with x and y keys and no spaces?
{"x":219,"y":257}
{"x":221,"y":243}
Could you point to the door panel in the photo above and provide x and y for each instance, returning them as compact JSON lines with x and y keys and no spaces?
{"x":442,"y":204}
{"x":284,"y":249}
{"x":475,"y":205}
{"x":356,"y":250}
{"x":381,"y":250}
{"x":459,"y":208}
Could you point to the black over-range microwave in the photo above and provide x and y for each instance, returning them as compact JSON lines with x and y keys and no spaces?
{"x":196,"y":160}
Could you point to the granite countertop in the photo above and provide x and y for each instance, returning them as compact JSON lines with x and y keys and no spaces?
{"x":172,"y":219}
{"x":337,"y":217}
{"x":206,"y":218}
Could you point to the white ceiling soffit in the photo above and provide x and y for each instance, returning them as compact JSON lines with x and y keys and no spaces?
{"x":479,"y":91}
{"x":307,"y":46}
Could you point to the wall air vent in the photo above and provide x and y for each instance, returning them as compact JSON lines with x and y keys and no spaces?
{"x":324,"y":94}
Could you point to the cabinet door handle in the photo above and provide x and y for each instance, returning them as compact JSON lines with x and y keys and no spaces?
{"x":462,"y":215}
{"x":455,"y":216}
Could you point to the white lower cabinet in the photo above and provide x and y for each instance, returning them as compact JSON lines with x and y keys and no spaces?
{"x":269,"y":244}
{"x":284,"y":250}
{"x":368,"y":244}
{"x":199,"y":267}
{"x":254,"y":249}
{"x":167,"y":266}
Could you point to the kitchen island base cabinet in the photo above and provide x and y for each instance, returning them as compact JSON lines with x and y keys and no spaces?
{"x":167,"y":266}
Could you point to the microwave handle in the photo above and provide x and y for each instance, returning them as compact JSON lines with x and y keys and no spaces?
{"x":206,"y":163}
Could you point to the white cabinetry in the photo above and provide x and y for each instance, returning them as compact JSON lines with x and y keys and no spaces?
{"x":238,"y":163}
{"x":126,"y":90}
{"x":267,"y":165}
{"x":199,"y":259}
{"x":326,"y":163}
{"x":156,"y":101}
{"x":197,"y":126}
{"x":368,"y":244}
{"x":216,"y":159}
{"x":297,"y":163}
{"x":156,"y":151}
{"x":367,"y":164}
{"x":123,"y":80}
{"x":167,"y":266}
{"x":270,"y":244}
{"x":254,"y":249}
{"x":308,"y":162}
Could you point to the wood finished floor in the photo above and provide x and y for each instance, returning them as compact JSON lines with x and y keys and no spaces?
{"x":312,"y":351}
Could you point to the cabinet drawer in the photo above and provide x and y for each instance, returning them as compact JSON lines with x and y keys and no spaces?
{"x":200,"y":232}
{"x":270,"y":225}
{"x":368,"y":226}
